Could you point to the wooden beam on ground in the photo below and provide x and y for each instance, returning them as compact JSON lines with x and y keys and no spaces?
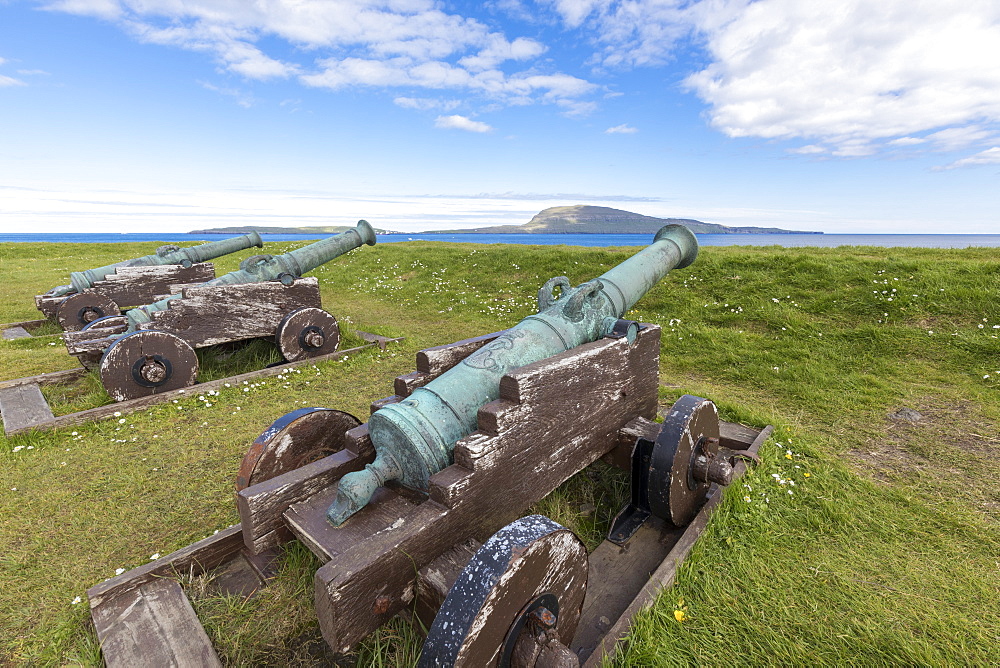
{"x":23,"y":407}
{"x":153,"y":625}
{"x":46,"y":378}
{"x":12,"y":333}
{"x":23,"y":323}
{"x":195,"y":559}
{"x":135,"y":404}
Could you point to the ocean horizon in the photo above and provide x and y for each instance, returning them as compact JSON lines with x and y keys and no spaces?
{"x":790,"y":240}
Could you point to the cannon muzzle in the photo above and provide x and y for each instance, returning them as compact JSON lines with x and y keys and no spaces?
{"x":82,"y":280}
{"x":285,"y":268}
{"x":415,"y":437}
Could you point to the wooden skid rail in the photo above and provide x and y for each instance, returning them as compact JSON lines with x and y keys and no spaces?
{"x":143,"y":617}
{"x":401,"y":553}
{"x":17,"y":420}
{"x":20,"y":330}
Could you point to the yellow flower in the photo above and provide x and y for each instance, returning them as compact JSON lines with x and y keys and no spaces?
{"x":806,"y":474}
{"x":788,"y":455}
{"x":679,"y":615}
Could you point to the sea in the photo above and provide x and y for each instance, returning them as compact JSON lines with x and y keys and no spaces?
{"x":786,"y":240}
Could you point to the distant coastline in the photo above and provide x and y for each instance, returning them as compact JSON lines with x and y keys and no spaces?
{"x":576,"y":219}
{"x":259,"y":229}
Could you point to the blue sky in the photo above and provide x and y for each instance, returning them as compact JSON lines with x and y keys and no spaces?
{"x":856,"y":116}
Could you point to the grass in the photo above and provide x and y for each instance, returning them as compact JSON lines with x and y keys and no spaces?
{"x":885,"y":553}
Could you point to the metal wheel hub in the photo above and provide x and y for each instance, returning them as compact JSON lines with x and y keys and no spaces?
{"x":312,"y":337}
{"x":151,"y":370}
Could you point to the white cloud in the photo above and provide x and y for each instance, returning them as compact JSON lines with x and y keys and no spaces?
{"x":106,"y":9}
{"x":811,"y":149}
{"x":499,"y":50}
{"x":629,"y":33}
{"x":10,"y":81}
{"x":425,"y":104}
{"x":623,"y":129}
{"x":381,"y":43}
{"x":855,"y":74}
{"x":990,"y":156}
{"x":573,"y":12}
{"x":457,"y":122}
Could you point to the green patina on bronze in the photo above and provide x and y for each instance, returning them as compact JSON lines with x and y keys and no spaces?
{"x":262,"y":268}
{"x":414,"y":438}
{"x":83,"y":280}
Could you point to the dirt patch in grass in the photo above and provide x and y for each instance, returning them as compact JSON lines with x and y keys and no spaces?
{"x":949,"y":443}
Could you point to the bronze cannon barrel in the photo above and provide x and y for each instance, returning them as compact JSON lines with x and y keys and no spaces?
{"x":285,"y":268}
{"x":414,"y":438}
{"x":82,"y":280}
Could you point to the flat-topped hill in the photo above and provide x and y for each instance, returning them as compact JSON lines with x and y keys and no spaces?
{"x":584,"y":219}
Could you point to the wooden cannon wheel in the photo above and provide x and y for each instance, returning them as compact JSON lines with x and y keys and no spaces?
{"x":516,"y":603}
{"x":292,"y":441}
{"x":80,"y":309}
{"x":307,"y":332}
{"x":147,"y":362}
{"x":689,"y":432}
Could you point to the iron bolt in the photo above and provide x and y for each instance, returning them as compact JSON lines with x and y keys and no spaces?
{"x":543,"y":618}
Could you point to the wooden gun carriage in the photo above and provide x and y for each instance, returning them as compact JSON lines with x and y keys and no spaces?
{"x":151,"y":349}
{"x":110,"y":290}
{"x":526,"y":596}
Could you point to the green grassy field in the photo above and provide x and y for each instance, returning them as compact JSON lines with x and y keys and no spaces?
{"x":863,"y":538}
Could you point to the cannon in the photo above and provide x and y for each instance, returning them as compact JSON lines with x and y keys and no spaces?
{"x":437,"y":544}
{"x":415,"y":437}
{"x":151,"y":349}
{"x":105,"y":291}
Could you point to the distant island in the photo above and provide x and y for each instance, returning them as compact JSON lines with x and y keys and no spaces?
{"x":577,"y":219}
{"x":318,"y":229}
{"x":582,"y":219}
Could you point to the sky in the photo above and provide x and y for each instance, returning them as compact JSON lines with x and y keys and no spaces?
{"x":854,"y":116}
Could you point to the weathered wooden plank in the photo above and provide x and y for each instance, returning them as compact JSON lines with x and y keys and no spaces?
{"x":91,"y":340}
{"x":385,"y":401}
{"x":153,"y":625}
{"x":27,"y":324}
{"x":138,"y":286}
{"x":239,"y":576}
{"x":135,"y":404}
{"x":372,"y":576}
{"x":45,"y":378}
{"x":403,"y":386}
{"x":23,"y":407}
{"x":195,"y":558}
{"x":593,"y":379}
{"x":736,"y":436}
{"x":47,"y":305}
{"x":665,"y":572}
{"x":209,"y":315}
{"x":12,"y":333}
{"x":308,"y":522}
{"x":261,"y":506}
{"x":437,"y":360}
{"x":616,"y":575}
